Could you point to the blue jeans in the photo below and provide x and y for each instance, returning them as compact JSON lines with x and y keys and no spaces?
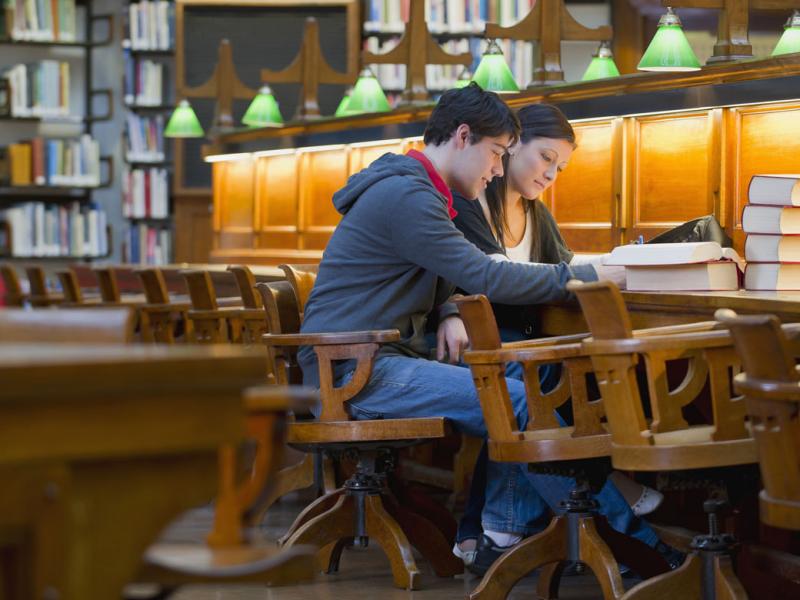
{"x":516,"y":501}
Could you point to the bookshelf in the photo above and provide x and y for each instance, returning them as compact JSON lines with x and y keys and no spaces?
{"x":458,"y":25}
{"x":148,"y":48}
{"x":50,"y":162}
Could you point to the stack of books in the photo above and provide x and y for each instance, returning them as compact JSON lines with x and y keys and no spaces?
{"x":52,"y":162}
{"x":689,"y":266}
{"x":771,"y":221}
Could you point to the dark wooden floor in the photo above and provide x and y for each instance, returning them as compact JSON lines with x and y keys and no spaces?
{"x":364,"y":572}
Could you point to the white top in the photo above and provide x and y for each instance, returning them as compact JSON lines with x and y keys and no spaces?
{"x":522,"y":251}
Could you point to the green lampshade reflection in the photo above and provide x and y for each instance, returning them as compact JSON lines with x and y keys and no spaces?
{"x":602,"y":65}
{"x":669,"y":50}
{"x":790,"y":40}
{"x":263,"y":110}
{"x":493,"y":74}
{"x":367,"y":96}
{"x":463,"y":79}
{"x":344,"y":105}
{"x":183,"y":123}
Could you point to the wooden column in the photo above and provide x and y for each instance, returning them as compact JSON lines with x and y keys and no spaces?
{"x":417,"y":48}
{"x":309,"y":69}
{"x":549,"y":22}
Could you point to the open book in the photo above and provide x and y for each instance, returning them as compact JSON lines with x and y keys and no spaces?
{"x":695,"y":266}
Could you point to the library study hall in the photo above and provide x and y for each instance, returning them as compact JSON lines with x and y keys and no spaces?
{"x":452,"y":299}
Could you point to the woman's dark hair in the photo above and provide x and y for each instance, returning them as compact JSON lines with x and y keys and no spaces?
{"x":536,"y":121}
{"x":485,"y":113}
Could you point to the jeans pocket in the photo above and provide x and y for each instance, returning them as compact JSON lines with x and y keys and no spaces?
{"x":363,"y":414}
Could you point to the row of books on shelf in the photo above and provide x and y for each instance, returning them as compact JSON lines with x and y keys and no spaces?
{"x":38,"y":20}
{"x":771,"y":220}
{"x":145,"y":136}
{"x":39,"y":229}
{"x":39,"y":89}
{"x":445,"y":16}
{"x":145,"y":81}
{"x":145,"y":193}
{"x":148,"y":245}
{"x":51,"y":162}
{"x":150,"y":25}
{"x":519,"y":56}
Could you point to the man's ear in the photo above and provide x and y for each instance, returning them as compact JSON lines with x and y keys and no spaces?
{"x":462,"y":136}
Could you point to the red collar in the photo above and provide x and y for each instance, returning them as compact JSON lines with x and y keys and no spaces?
{"x":436,"y":180}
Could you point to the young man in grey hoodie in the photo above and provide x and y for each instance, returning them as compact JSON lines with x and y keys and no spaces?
{"x":393,"y":262}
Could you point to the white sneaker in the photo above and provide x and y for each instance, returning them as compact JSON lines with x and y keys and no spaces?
{"x":468,"y":556}
{"x":649,"y":501}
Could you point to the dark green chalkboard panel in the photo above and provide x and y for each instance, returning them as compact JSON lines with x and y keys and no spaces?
{"x":260,"y":37}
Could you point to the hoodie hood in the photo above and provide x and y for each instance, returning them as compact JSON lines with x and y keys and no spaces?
{"x":388,"y":165}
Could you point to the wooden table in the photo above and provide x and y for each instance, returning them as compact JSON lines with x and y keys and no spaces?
{"x":653,"y":309}
{"x":101,"y":447}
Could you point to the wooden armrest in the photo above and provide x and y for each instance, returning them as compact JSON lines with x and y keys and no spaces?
{"x":219,"y":313}
{"x":787,"y":391}
{"x":275,"y":398}
{"x":541,"y":354}
{"x":676,"y":329}
{"x":331,"y":339}
{"x":681,"y":341}
{"x":547,"y":341}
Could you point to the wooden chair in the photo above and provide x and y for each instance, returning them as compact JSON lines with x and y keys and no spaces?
{"x":160,"y":316}
{"x":73,"y":295}
{"x":106,"y":326}
{"x":667,"y":442}
{"x":302,"y":279}
{"x":40,"y":294}
{"x":361,"y":509}
{"x":253,"y":320}
{"x":210,"y":323}
{"x":771,"y":387}
{"x":107,"y":282}
{"x":13,"y":289}
{"x":581,"y":534}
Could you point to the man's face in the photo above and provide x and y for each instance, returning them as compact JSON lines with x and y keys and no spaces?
{"x":477,"y":164}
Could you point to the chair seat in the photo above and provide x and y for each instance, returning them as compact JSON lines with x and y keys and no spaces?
{"x":555,"y":444}
{"x":176,"y":564}
{"x":384,"y":430}
{"x":779,"y":513}
{"x":690,"y":448}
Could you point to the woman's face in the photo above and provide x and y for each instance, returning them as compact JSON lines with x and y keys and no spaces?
{"x":534,"y":165}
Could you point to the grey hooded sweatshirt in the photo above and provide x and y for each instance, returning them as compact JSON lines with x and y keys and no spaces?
{"x":396,"y":256}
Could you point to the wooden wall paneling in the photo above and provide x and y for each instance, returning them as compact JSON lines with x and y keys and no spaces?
{"x":361,"y":156}
{"x":276,"y":201}
{"x":234,"y":205}
{"x":672,"y":170}
{"x":763,"y":139}
{"x":413,"y":144}
{"x":585,"y":198}
{"x":193,"y":231}
{"x":323,"y":172}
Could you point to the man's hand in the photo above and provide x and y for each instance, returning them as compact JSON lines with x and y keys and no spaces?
{"x":611,"y":273}
{"x":451,"y":339}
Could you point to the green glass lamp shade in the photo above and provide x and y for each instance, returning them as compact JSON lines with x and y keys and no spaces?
{"x":263,"y":110}
{"x":344,"y":105}
{"x":790,"y":40}
{"x":183,"y":123}
{"x":493,"y":74}
{"x":669,"y":50}
{"x":463,"y":79}
{"x":602,"y":65}
{"x":367,"y":96}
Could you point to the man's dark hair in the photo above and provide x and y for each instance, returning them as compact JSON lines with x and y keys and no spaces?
{"x":485,"y":113}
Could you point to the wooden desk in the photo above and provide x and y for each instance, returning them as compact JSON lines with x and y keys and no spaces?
{"x":101,"y":447}
{"x":653,"y":309}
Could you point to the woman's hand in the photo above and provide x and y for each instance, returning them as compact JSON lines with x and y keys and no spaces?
{"x":451,"y":339}
{"x":611,"y":273}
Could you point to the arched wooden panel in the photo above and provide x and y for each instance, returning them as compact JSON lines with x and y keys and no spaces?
{"x":672,"y":171}
{"x":763,"y":139}
{"x":233,"y":185}
{"x":585,"y":197}
{"x":323,"y":173}
{"x":277,"y":201}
